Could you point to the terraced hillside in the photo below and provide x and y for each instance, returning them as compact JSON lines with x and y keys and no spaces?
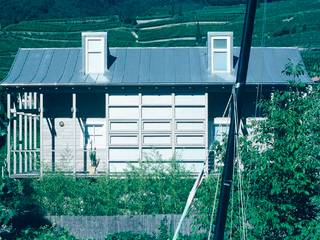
{"x":284,"y":23}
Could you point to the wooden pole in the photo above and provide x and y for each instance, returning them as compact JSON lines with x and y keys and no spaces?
{"x":206,"y":133}
{"x":35,"y":133}
{"x":140,"y":127}
{"x":25,"y":136}
{"x":30,"y":134}
{"x":41,"y":135}
{"x":8,"y":134}
{"x":74,"y":116}
{"x":14,"y":139}
{"x":107,"y":131}
{"x":20,"y":134}
{"x":173,"y":124}
{"x":236,"y":103}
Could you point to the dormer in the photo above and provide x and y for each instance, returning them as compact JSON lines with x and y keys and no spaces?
{"x":220,"y":54}
{"x":94,"y":46}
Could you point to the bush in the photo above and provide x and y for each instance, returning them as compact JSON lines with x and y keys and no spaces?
{"x":282,"y":176}
{"x":146,"y":189}
{"x":46,"y":233}
{"x":129,"y":236}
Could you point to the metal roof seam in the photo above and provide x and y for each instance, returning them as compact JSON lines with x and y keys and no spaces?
{"x":46,"y":72}
{"x":138,"y":80}
{"x":124,"y":68}
{"x":24,"y":62}
{"x":74,"y":67}
{"x":143,"y":66}
{"x":38,"y":66}
{"x":65,"y":66}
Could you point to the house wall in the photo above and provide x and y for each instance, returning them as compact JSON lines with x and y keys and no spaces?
{"x":127,"y":128}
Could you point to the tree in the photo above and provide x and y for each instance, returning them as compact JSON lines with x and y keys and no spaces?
{"x":282,"y":163}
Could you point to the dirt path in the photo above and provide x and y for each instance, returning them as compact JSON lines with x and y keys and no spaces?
{"x":168,"y":39}
{"x":181,"y":24}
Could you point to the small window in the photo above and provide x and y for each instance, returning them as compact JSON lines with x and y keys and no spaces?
{"x":94,"y":55}
{"x":95,"y":135}
{"x":94,"y":45}
{"x":221,"y":128}
{"x":220,"y":52}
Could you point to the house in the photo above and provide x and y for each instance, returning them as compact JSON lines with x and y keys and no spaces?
{"x":71,"y":106}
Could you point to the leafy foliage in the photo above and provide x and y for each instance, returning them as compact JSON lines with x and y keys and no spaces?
{"x":46,"y":233}
{"x":18,"y":209}
{"x":129,"y":236}
{"x":282,"y":166}
{"x":295,"y":70}
{"x":145,"y":189}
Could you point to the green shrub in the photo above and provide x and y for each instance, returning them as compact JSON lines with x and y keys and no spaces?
{"x":46,"y":233}
{"x":129,"y":236}
{"x":145,"y":189}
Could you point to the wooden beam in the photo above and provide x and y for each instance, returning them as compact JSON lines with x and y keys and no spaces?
{"x":14,"y":140}
{"x":140,"y":128}
{"x":35,"y":133}
{"x":107,"y":130}
{"x":30,"y":134}
{"x":74,"y":116}
{"x":41,"y":135}
{"x":8,"y":134}
{"x":206,"y":133}
{"x":25,"y":136}
{"x":173,"y":125}
{"x":20,"y":135}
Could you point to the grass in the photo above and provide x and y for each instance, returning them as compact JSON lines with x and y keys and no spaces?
{"x":288,"y":23}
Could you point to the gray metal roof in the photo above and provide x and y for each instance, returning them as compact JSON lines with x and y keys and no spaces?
{"x":144,"y":66}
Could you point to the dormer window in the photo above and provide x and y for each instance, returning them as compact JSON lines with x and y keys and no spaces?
{"x":220,"y":45}
{"x":94,"y":48}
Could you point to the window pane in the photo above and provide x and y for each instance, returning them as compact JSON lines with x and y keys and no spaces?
{"x":157,"y":126}
{"x":123,"y":126}
{"x":190,"y":140}
{"x":123,"y":113}
{"x":220,"y":43}
{"x":95,"y":62}
{"x":220,"y":61}
{"x":156,"y":113}
{"x":124,"y":140}
{"x":157,"y":140}
{"x":190,"y":126}
{"x":190,"y":113}
{"x":95,"y":45}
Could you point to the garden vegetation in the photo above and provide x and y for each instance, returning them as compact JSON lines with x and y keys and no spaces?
{"x":281,"y":183}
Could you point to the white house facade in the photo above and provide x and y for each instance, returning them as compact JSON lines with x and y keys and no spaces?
{"x":121,"y":106}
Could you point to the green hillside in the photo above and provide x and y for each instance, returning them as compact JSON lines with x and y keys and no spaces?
{"x":283,"y":23}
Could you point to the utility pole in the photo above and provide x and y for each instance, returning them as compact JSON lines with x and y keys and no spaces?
{"x":235,"y":114}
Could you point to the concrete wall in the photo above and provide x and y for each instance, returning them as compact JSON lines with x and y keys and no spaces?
{"x":97,"y":227}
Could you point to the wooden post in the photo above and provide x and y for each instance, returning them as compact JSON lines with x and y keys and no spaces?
{"x":20,"y":134}
{"x":8,"y":134}
{"x":140,"y":128}
{"x":14,"y":139}
{"x":30,"y":134}
{"x":74,"y":116}
{"x":173,"y":125}
{"x":107,"y":131}
{"x":25,"y":145}
{"x":206,"y":133}
{"x":35,"y":133}
{"x":41,"y":135}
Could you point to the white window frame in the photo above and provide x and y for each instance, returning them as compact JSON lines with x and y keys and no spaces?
{"x":221,"y":50}
{"x":87,"y":39}
{"x":91,"y":122}
{"x":94,"y":125}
